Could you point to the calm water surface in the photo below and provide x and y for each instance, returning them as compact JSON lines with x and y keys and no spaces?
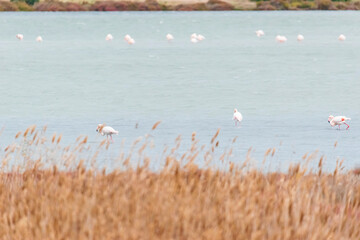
{"x":75,"y":79}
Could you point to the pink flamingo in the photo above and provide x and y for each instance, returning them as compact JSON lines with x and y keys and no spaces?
{"x":259,"y":33}
{"x":237,"y":117}
{"x":19,"y":36}
{"x":106,"y":130}
{"x":169,"y":37}
{"x":342,"y":37}
{"x":338,"y":120}
{"x":300,"y":37}
{"x":39,"y":39}
{"x":109,"y":37}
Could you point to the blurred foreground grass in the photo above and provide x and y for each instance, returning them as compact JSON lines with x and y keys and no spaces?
{"x":52,"y":192}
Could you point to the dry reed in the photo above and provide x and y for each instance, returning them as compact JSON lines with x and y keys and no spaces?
{"x":53,"y":192}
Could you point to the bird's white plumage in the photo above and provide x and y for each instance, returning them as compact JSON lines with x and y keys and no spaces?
{"x":281,"y":39}
{"x":169,"y":37}
{"x":19,"y":36}
{"x":131,"y":41}
{"x":338,"y":120}
{"x":237,"y":117}
{"x":194,"y":40}
{"x":300,"y":37}
{"x":342,"y":37}
{"x":106,"y":130}
{"x":200,"y":37}
{"x":39,"y":39}
{"x":109,"y":37}
{"x":259,"y":33}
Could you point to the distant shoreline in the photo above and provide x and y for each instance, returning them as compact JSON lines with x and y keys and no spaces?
{"x":183,"y":5}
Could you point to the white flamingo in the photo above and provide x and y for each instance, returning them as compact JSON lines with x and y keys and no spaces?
{"x":338,"y":120}
{"x":106,"y":130}
{"x":109,"y":37}
{"x":194,"y":40}
{"x":300,"y":37}
{"x":127,"y":37}
{"x":281,"y":39}
{"x":237,"y":117}
{"x":131,"y":41}
{"x":259,"y":33}
{"x":169,"y":37}
{"x":19,"y":36}
{"x":200,"y":37}
{"x":342,"y":37}
{"x":39,"y":39}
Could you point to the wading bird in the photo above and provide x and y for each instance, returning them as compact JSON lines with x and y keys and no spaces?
{"x":338,"y":120}
{"x":169,"y":37}
{"x":39,"y":39}
{"x":300,"y":37}
{"x":19,"y":36}
{"x":131,"y":41}
{"x":109,"y":37}
{"x":259,"y":33}
{"x":106,"y":130}
{"x":127,"y":37}
{"x":281,"y":39}
{"x":342,"y":37}
{"x":200,"y":37}
{"x":237,"y":117}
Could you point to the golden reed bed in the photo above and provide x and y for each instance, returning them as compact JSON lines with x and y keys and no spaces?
{"x":51,"y":193}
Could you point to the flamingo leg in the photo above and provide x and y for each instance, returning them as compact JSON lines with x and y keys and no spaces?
{"x":346,"y":125}
{"x":111,"y":138}
{"x":339,"y":127}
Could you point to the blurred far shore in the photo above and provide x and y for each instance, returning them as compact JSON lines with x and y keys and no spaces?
{"x":176,"y":5}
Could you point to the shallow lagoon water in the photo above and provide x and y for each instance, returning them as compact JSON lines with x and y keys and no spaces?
{"x":75,"y":79}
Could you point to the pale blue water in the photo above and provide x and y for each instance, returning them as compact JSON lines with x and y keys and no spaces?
{"x":75,"y":79}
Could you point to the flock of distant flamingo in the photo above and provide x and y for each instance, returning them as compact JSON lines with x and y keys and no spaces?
{"x":194,"y":38}
{"x":237,"y":117}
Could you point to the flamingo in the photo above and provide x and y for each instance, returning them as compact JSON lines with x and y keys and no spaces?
{"x":300,"y":37}
{"x":19,"y":36}
{"x":106,"y":130}
{"x":281,"y":39}
{"x":338,"y":120}
{"x":194,"y":40}
{"x":169,"y":37}
{"x":194,"y":35}
{"x":200,"y":37}
{"x":237,"y":117}
{"x":109,"y":37}
{"x":127,"y":37}
{"x":39,"y":39}
{"x":342,"y":37}
{"x":259,"y":33}
{"x":131,"y":41}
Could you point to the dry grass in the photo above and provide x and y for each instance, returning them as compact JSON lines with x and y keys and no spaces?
{"x":54,"y":192}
